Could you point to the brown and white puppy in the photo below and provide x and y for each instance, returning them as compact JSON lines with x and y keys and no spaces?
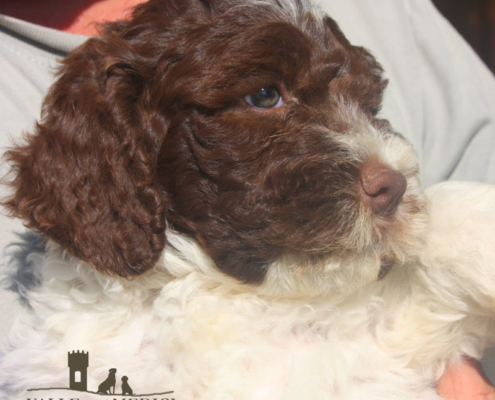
{"x":228,"y":155}
{"x":227,"y":119}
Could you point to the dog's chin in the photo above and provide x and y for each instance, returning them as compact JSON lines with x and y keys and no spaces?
{"x":392,"y":245}
{"x":302,"y":276}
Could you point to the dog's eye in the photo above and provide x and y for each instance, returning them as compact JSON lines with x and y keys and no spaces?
{"x":265,"y":98}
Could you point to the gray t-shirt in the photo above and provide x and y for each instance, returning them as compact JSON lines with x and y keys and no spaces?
{"x":440,"y":96}
{"x":28,"y":58}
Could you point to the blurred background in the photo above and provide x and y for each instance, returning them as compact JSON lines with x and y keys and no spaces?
{"x":475,"y":21}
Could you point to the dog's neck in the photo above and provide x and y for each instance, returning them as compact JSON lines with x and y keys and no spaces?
{"x":77,"y":16}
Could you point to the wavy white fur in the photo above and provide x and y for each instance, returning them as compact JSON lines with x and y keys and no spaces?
{"x":186,"y":327}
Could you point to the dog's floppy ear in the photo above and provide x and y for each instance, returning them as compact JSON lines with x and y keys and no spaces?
{"x":336,"y":32}
{"x":86,"y":177}
{"x":367,"y":84}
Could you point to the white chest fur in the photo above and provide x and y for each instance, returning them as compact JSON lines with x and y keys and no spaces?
{"x":186,"y":328}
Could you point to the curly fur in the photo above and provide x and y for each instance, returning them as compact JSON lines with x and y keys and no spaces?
{"x":135,"y":132}
{"x":204,"y":246}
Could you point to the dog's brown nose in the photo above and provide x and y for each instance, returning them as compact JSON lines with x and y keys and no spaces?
{"x":382,"y":188}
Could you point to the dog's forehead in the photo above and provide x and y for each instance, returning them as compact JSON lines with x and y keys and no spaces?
{"x":272,"y":28}
{"x":256,"y":43}
{"x":278,"y":47}
{"x":294,"y":10}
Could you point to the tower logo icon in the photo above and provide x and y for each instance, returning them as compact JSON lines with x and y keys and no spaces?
{"x":78,"y":369}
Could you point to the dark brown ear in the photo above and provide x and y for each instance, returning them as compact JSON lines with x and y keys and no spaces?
{"x":336,"y":32}
{"x":367,"y":84}
{"x":86,"y":177}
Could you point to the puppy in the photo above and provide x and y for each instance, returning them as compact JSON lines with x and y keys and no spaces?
{"x":108,"y":385}
{"x":226,"y":212}
{"x":126,"y":388}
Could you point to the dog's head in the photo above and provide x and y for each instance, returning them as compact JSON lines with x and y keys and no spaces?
{"x":249,"y":125}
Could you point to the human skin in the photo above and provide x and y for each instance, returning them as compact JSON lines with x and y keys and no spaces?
{"x":74,"y":16}
{"x":464,"y":381}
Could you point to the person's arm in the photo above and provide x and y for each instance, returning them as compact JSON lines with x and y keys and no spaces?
{"x":465,"y":381}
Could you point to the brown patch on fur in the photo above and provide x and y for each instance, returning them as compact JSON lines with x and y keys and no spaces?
{"x":148,"y":122}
